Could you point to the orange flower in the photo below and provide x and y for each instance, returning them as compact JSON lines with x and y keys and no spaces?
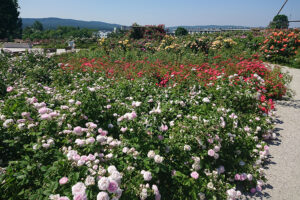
{"x":285,"y":40}
{"x":267,"y":40}
{"x":275,"y":33}
{"x":272,"y":47}
{"x":282,"y":49}
{"x":266,"y":51}
{"x":291,"y":34}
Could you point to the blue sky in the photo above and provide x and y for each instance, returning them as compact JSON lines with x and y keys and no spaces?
{"x":168,"y":12}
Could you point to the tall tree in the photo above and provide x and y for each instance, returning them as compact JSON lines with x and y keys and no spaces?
{"x":280,"y":22}
{"x":37,"y":25}
{"x":10,"y":23}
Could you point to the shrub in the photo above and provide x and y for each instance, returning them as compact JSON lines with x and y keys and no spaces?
{"x":279,"y":22}
{"x":180,"y":31}
{"x":280,"y":45}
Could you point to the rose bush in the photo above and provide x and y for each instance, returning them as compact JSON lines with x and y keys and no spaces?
{"x":113,"y":129}
{"x":279,"y":46}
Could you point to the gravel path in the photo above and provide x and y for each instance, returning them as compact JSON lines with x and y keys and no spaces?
{"x":283,"y":170}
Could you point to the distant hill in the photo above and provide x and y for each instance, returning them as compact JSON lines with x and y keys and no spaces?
{"x":52,"y":23}
{"x":210,"y":27}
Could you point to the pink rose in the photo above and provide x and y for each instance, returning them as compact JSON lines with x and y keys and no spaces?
{"x":43,"y":110}
{"x":80,"y":196}
{"x":211,"y":152}
{"x":253,"y":190}
{"x":216,"y":148}
{"x":104,"y":133}
{"x":112,"y":187}
{"x":163,"y":127}
{"x":123,"y":130}
{"x":195,"y":175}
{"x":63,"y":180}
{"x":243,"y":176}
{"x":45,"y":117}
{"x":77,"y":130}
{"x":133,"y":115}
{"x":9,"y":89}
{"x":237,"y":177}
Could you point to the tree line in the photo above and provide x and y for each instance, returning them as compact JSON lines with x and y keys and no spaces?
{"x":37,"y":31}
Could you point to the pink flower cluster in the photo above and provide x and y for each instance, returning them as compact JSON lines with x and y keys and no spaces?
{"x":79,"y":191}
{"x":128,"y":116}
{"x":243,"y":177}
{"x":111,"y":184}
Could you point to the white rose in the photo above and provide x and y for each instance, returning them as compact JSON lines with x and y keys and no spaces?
{"x":158,"y":159}
{"x":102,"y":196}
{"x":151,"y":154}
{"x":78,"y":188}
{"x":187,"y":147}
{"x":147,"y":176}
{"x":89,"y":181}
{"x":103,"y":183}
{"x":116,"y":176}
{"x":111,"y":169}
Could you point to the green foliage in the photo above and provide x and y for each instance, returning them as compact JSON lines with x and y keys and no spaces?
{"x":296,"y":60}
{"x":62,"y":32}
{"x":37,"y":26}
{"x":280,"y":22}
{"x":180,"y":31}
{"x":10,"y":23}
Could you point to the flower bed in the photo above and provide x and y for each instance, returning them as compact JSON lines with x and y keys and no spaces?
{"x":104,"y":129}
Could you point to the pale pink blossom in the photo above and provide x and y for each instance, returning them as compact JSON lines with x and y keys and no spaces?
{"x":80,"y":196}
{"x":63,"y":180}
{"x":237,"y":177}
{"x":195,"y":175}
{"x":163,"y":127}
{"x":64,"y":198}
{"x":147,"y":175}
{"x":9,"y":89}
{"x":45,"y":117}
{"x":123,"y":130}
{"x":77,"y":130}
{"x":102,"y":196}
{"x":78,"y":188}
{"x":211,"y":152}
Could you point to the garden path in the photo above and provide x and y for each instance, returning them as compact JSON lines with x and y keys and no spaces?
{"x":283,"y":170}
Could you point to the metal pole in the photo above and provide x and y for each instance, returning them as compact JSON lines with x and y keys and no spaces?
{"x":282,"y":7}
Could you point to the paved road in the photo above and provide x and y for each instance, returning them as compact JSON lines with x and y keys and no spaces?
{"x":283,"y":171}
